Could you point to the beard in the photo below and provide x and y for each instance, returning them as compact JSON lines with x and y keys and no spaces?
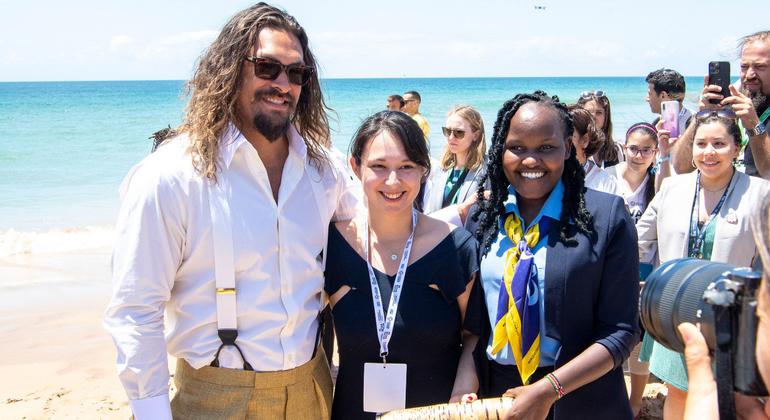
{"x":758,"y":99}
{"x":273,"y":125}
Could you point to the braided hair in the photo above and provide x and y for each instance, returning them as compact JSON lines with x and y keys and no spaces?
{"x":573,"y":203}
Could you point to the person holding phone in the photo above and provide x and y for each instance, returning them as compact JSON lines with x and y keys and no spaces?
{"x":664,"y":85}
{"x":750,"y":103}
{"x":700,"y":215}
{"x":463,"y":162}
{"x":559,"y":273}
{"x":391,"y":258}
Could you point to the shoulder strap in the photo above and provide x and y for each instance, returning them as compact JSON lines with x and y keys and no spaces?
{"x":224,"y":267}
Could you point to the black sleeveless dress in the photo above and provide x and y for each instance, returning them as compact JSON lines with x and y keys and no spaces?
{"x":427,"y":335}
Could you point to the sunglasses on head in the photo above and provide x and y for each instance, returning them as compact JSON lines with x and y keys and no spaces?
{"x":459,"y":134}
{"x":269,"y":69}
{"x":595,"y":94}
{"x":719,"y":113}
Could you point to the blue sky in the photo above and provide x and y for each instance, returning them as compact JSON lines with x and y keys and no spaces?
{"x":140,"y":40}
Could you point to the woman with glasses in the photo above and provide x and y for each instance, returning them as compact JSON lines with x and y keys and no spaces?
{"x":398,"y":281}
{"x":636,"y":175}
{"x":587,"y":140}
{"x":462,"y":164}
{"x":636,"y":184}
{"x":598,"y":104}
{"x":704,"y":214}
{"x":558,"y":273}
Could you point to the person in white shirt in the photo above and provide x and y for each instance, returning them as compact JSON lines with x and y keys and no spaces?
{"x":668,"y":85}
{"x":221,"y":237}
{"x":588,"y":139}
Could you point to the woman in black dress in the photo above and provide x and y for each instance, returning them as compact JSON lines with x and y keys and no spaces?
{"x":439,"y":262}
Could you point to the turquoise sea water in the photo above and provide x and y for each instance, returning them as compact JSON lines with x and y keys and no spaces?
{"x":65,"y":146}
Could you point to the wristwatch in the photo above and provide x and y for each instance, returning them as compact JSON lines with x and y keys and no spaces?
{"x":756,"y":131}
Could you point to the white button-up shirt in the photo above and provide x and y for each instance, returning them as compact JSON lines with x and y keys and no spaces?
{"x":164,"y":260}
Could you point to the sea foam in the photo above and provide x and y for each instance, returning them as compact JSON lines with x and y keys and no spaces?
{"x":55,"y":241}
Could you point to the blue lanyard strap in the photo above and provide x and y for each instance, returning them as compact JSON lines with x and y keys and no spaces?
{"x":697,"y":234}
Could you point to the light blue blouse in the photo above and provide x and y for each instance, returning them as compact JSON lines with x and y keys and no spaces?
{"x":492,"y":274}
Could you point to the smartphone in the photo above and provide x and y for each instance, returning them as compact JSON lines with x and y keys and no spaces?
{"x":719,"y":74}
{"x":669,"y":113}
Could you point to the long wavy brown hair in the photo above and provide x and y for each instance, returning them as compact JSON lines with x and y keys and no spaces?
{"x":478,"y":147}
{"x":215,"y":84}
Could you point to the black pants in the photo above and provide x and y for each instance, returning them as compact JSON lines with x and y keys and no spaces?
{"x":504,"y":377}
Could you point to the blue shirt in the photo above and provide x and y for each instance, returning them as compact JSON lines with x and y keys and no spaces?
{"x":493,"y":265}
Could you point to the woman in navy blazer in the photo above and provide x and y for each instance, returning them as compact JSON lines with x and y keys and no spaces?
{"x":584,"y":279}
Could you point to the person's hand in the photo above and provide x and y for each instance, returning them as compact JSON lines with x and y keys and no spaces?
{"x":464,"y":398}
{"x":743,"y":107}
{"x":664,"y":139}
{"x":750,"y":408}
{"x":710,"y":92}
{"x":531,"y":402}
{"x":701,"y":387}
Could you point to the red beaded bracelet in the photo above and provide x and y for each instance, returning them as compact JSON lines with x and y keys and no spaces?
{"x":556,"y":385}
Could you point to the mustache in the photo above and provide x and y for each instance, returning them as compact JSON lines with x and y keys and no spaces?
{"x":261,"y":93}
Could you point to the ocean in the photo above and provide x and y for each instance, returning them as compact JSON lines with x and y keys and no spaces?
{"x":65,"y":146}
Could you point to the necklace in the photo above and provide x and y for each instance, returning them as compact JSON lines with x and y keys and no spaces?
{"x":393,"y":257}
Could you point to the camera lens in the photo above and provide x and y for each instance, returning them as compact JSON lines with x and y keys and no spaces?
{"x":673,"y":294}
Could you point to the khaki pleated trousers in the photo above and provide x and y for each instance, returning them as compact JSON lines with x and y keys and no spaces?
{"x":207,"y":393}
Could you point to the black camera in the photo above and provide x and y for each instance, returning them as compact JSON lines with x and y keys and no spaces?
{"x":722,"y":298}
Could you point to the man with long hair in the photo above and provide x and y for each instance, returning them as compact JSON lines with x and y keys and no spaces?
{"x":222,"y":235}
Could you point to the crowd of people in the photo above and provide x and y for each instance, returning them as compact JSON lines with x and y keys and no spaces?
{"x":510,"y":266}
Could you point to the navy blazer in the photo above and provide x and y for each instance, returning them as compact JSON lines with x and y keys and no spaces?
{"x":591,"y":296}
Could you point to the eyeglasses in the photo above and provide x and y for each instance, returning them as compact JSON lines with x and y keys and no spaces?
{"x":459,"y":134}
{"x":719,"y":113}
{"x":595,"y":94}
{"x":269,"y":69}
{"x":643,"y":151}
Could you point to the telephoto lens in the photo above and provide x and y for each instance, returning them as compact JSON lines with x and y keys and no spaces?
{"x":694,"y":290}
{"x":673,"y":294}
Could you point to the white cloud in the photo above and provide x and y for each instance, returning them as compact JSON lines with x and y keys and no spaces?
{"x":120,"y":42}
{"x":727,"y":47}
{"x":183,"y":44}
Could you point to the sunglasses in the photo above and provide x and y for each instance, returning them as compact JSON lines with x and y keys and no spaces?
{"x":595,"y":94}
{"x":459,"y":134}
{"x":269,"y":69}
{"x":728,"y":114}
{"x":643,"y":151}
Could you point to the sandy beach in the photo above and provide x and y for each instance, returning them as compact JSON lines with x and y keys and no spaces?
{"x":56,"y":360}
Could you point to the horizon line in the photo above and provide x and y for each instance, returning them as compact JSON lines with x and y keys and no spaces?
{"x":349,"y":78}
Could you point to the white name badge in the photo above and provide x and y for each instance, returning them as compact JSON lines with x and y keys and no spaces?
{"x":384,"y":387}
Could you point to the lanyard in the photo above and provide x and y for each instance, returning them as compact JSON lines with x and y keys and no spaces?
{"x":450,"y":196}
{"x":385,"y":323}
{"x":696,"y":234}
{"x":765,"y":115}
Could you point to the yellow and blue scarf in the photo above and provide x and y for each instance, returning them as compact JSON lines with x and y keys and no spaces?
{"x":518,"y":310}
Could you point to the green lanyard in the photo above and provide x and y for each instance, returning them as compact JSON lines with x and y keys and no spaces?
{"x":765,"y":115}
{"x":762,"y":120}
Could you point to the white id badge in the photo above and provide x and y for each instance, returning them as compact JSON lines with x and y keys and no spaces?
{"x":384,"y":387}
